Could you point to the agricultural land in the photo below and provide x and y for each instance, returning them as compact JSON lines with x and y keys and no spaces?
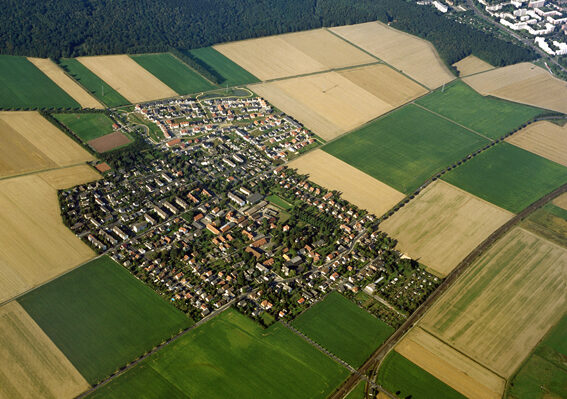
{"x":561,"y":201}
{"x":549,"y":222}
{"x":471,"y":65}
{"x":67,"y":177}
{"x":545,"y":139}
{"x":231,"y":73}
{"x":357,"y":392}
{"x":109,"y":142}
{"x":87,"y":126}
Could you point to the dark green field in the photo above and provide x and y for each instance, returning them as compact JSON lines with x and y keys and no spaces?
{"x":231,"y":72}
{"x":489,"y":116}
{"x":230,"y":356}
{"x":344,"y":329}
{"x":94,"y":85}
{"x":508,"y":176}
{"x":173,"y":73}
{"x":101,"y":317}
{"x":87,"y":126}
{"x":403,"y":378}
{"x":406,"y":147}
{"x":357,"y":392}
{"x":22,"y":85}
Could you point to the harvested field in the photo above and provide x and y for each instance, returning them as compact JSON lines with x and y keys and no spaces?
{"x":413,"y":56}
{"x":63,"y":178}
{"x":71,"y":87}
{"x":443,"y":225}
{"x":356,"y":186}
{"x":545,"y":139}
{"x":109,"y":142}
{"x":561,"y":201}
{"x":504,"y":304}
{"x":453,"y":368}
{"x":127,"y":77}
{"x":32,"y":366}
{"x":293,"y":54}
{"x":523,"y":83}
{"x":35,"y":246}
{"x":471,"y":65}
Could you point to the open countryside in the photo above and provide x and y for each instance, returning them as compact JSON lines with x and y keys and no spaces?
{"x":87,"y":126}
{"x":471,"y":65}
{"x":231,"y":73}
{"x":545,"y":139}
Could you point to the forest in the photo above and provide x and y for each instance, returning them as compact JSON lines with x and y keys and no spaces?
{"x":70,"y":28}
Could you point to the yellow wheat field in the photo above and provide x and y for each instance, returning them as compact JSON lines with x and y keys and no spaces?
{"x":561,"y":201}
{"x":32,"y":366}
{"x":127,"y":77}
{"x":471,"y":65}
{"x":442,"y":225}
{"x":71,"y":87}
{"x":545,"y":139}
{"x":63,"y":178}
{"x":413,"y":56}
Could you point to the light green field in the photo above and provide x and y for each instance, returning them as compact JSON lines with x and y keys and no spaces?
{"x":232,"y":73}
{"x":87,"y":126}
{"x":357,"y":392}
{"x":231,"y":356}
{"x":278,"y":201}
{"x":344,"y":329}
{"x":101,"y":317}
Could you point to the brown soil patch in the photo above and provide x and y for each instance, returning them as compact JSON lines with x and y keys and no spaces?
{"x":545,"y":139}
{"x":109,"y":142}
{"x":471,"y":65}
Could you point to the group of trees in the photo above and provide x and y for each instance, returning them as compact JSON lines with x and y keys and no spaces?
{"x":66,"y":28}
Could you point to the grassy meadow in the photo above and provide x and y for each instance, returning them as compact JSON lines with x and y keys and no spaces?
{"x":87,"y":126}
{"x":232,"y":73}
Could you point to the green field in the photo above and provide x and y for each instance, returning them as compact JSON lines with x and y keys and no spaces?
{"x":357,"y":392}
{"x":550,"y":222}
{"x":406,"y":147}
{"x":544,"y":375}
{"x":92,"y":83}
{"x":101,"y":317}
{"x":403,"y":378}
{"x":24,"y":86}
{"x":231,"y":356}
{"x":508,"y":176}
{"x":232,"y":73}
{"x":344,"y":329}
{"x":489,"y":116}
{"x":173,"y":72}
{"x":87,"y":126}
{"x":280,"y":202}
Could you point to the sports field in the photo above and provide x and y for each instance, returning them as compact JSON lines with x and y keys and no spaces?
{"x":443,"y":225}
{"x":413,"y":56}
{"x":505,"y":302}
{"x":545,"y":139}
{"x":508,"y":176}
{"x":344,"y":329}
{"x":173,"y":72}
{"x":32,"y":366}
{"x":488,"y":116}
{"x":95,"y":85}
{"x":101,"y":317}
{"x":550,"y":222}
{"x":86,"y":126}
{"x":406,"y":147}
{"x":71,"y":87}
{"x":232,"y":357}
{"x":523,"y":83}
{"x":63,"y":178}
{"x":231,"y":72}
{"x":24,"y":86}
{"x":471,"y":65}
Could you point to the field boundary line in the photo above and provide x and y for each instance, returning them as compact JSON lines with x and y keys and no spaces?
{"x":34,"y":172}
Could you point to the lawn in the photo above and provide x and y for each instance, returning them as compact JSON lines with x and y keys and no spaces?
{"x":87,"y":126}
{"x":406,"y":147}
{"x":278,"y":201}
{"x":173,"y":72}
{"x":400,"y":376}
{"x":25,"y":86}
{"x":232,"y":73}
{"x":508,"y":176}
{"x":489,"y":116}
{"x":101,"y":317}
{"x":94,"y":85}
{"x":344,"y":329}
{"x":231,"y":356}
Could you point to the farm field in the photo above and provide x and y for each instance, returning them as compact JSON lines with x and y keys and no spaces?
{"x":471,"y":65}
{"x":173,"y":72}
{"x":87,"y":126}
{"x":293,"y":54}
{"x":508,"y":176}
{"x":411,"y":55}
{"x":357,"y":392}
{"x":344,"y":329}
{"x":550,"y":222}
{"x":95,"y":85}
{"x":355,"y":186}
{"x":101,"y":317}
{"x":500,"y":308}
{"x":403,"y":149}
{"x":109,"y":142}
{"x":63,"y":178}
{"x":212,"y":360}
{"x":488,"y":116}
{"x":32,"y":366}
{"x":523,"y":83}
{"x":449,"y":366}
{"x":545,"y":139}
{"x":127,"y":77}
{"x":561,"y":201}
{"x":231,"y":72}
{"x":70,"y":87}
{"x":443,"y":225}
{"x":400,"y":376}
{"x":25,"y":86}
